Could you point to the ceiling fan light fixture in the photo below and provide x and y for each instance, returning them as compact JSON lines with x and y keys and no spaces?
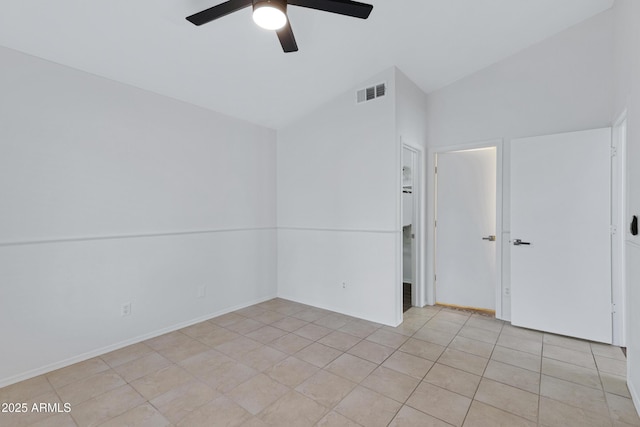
{"x":270,"y":14}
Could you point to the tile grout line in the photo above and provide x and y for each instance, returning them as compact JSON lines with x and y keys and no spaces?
{"x":473,"y":399}
{"x":427,"y":373}
{"x":602,"y":385}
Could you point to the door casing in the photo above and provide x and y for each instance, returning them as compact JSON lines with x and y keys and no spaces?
{"x":430,"y":293}
{"x":619,"y":218}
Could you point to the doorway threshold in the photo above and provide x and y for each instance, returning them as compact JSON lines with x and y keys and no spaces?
{"x":481,"y":311}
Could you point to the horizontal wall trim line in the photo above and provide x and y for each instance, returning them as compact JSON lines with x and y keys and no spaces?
{"x":340,"y":230}
{"x":132,"y":236}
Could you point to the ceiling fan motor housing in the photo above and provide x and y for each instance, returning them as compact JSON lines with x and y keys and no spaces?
{"x":278,"y":4}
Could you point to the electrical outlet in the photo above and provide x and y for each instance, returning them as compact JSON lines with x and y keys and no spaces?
{"x":125,"y":310}
{"x":344,"y":285}
{"x":202,"y":291}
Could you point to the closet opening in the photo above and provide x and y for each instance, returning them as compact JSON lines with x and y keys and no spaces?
{"x":410,"y":227}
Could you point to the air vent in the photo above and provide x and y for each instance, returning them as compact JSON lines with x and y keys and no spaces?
{"x":370,"y":93}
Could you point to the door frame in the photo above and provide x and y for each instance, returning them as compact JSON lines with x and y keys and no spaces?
{"x":431,"y":215}
{"x":619,"y":227}
{"x":417,"y":288}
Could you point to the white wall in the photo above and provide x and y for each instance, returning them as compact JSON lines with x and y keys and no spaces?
{"x":564,"y":83}
{"x":338,"y":206}
{"x":334,"y":168}
{"x":411,"y":109}
{"x":111,"y":194}
{"x":627,"y":96}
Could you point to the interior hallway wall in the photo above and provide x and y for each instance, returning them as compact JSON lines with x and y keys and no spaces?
{"x":110,"y":195}
{"x":339,"y":197}
{"x":337,"y":206}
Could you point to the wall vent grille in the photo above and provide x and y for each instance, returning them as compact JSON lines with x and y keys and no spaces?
{"x":370,"y":93}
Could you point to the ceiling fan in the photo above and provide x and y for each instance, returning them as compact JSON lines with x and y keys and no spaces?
{"x":272,"y":14}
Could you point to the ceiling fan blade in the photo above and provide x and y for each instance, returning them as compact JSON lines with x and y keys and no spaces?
{"x":287,"y":40}
{"x":218,"y":11}
{"x":342,"y":7}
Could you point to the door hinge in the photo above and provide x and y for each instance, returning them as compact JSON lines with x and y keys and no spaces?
{"x":435,"y":170}
{"x":614,"y":151}
{"x":434,"y":278}
{"x":613,"y":308}
{"x":435,"y":224}
{"x":613,"y":229}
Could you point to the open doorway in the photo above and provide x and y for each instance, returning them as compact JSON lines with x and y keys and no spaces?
{"x":410,"y":211}
{"x":466,"y":232}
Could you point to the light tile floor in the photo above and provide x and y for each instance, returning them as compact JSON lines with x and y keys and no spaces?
{"x":286,"y":364}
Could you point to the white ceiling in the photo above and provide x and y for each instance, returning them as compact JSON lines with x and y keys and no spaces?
{"x":234,"y":67}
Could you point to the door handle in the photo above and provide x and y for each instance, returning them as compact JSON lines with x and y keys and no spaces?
{"x":518,"y":242}
{"x":490,"y":238}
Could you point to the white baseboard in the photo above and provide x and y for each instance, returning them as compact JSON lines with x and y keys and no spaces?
{"x":100,"y":351}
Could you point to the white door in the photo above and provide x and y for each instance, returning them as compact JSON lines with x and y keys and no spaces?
{"x":466,"y":228}
{"x":560,"y":234}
